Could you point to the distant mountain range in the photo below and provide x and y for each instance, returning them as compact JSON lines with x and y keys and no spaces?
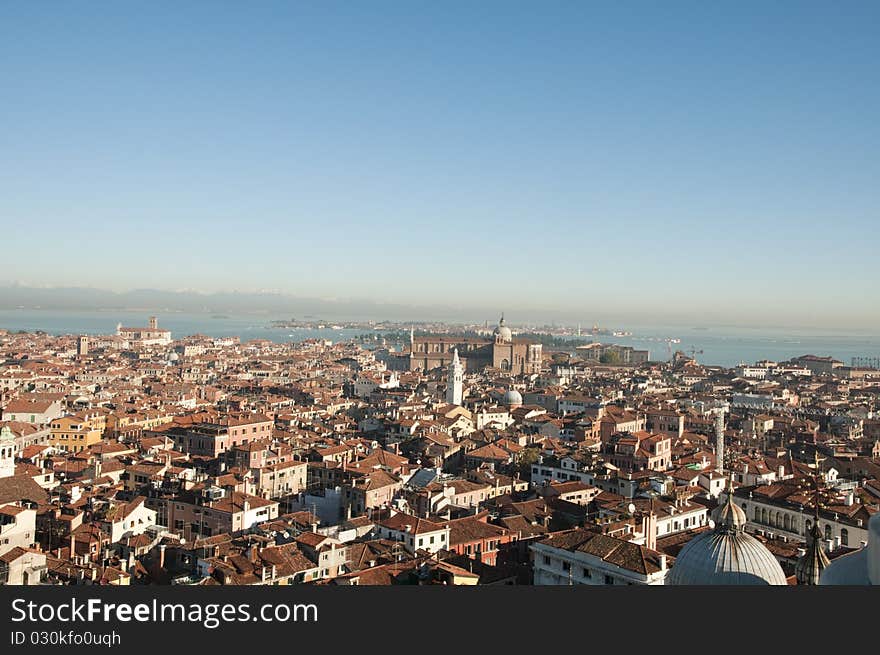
{"x":277,"y":304}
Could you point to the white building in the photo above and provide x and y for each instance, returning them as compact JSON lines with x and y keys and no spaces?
{"x":7,"y":453}
{"x":18,"y":527}
{"x":581,"y":557}
{"x":455,"y":381}
{"x":130,"y":519}
{"x":414,"y":533}
{"x":145,"y":336}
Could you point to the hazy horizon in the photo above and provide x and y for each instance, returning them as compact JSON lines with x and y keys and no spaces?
{"x":282,"y":306}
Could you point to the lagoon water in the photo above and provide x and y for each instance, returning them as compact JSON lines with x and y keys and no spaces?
{"x":723,"y":346}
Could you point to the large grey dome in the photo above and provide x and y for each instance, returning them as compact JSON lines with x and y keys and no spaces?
{"x":513,"y":397}
{"x":727,"y":555}
{"x":503,"y":332}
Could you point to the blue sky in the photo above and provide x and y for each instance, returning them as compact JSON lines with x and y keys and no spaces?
{"x":678,"y":158}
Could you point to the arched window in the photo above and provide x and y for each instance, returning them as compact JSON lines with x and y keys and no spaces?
{"x":778,"y":523}
{"x":787,"y":522}
{"x":844,"y":537}
{"x":828,"y":531}
{"x":807,"y":526}
{"x":764,"y":516}
{"x":757,"y":515}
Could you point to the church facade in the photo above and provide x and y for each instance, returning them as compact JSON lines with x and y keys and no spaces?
{"x":514,"y":355}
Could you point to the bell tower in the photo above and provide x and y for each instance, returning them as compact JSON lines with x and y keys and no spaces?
{"x":7,"y":453}
{"x":455,"y":380}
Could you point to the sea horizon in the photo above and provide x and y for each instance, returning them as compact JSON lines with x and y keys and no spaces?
{"x":713,"y":345}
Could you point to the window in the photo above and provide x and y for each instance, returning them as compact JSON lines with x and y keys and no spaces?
{"x":844,"y":537}
{"x":828,"y":531}
{"x":609,"y":579}
{"x":587,"y":573}
{"x":547,"y":560}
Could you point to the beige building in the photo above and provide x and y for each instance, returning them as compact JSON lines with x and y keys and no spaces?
{"x":145,"y":336}
{"x":282,"y":479}
{"x":22,"y":566}
{"x":28,"y":409}
{"x":516,"y":355}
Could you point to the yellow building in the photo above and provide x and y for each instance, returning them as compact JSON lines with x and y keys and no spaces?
{"x":132,"y":424}
{"x":74,"y":433}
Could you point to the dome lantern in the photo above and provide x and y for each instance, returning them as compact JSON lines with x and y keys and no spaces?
{"x":727,"y":554}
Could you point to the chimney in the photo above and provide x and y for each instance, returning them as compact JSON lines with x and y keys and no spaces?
{"x":781,"y":472}
{"x":850,"y":498}
{"x":72,"y":546}
{"x":161,"y":556}
{"x":662,"y":562}
{"x":649,"y":529}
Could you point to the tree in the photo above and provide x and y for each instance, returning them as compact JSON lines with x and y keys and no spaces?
{"x":527,"y":457}
{"x":610,"y":357}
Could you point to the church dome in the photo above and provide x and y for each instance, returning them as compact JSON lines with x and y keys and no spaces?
{"x":727,"y":555}
{"x":512,"y":397}
{"x":503,"y":332}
